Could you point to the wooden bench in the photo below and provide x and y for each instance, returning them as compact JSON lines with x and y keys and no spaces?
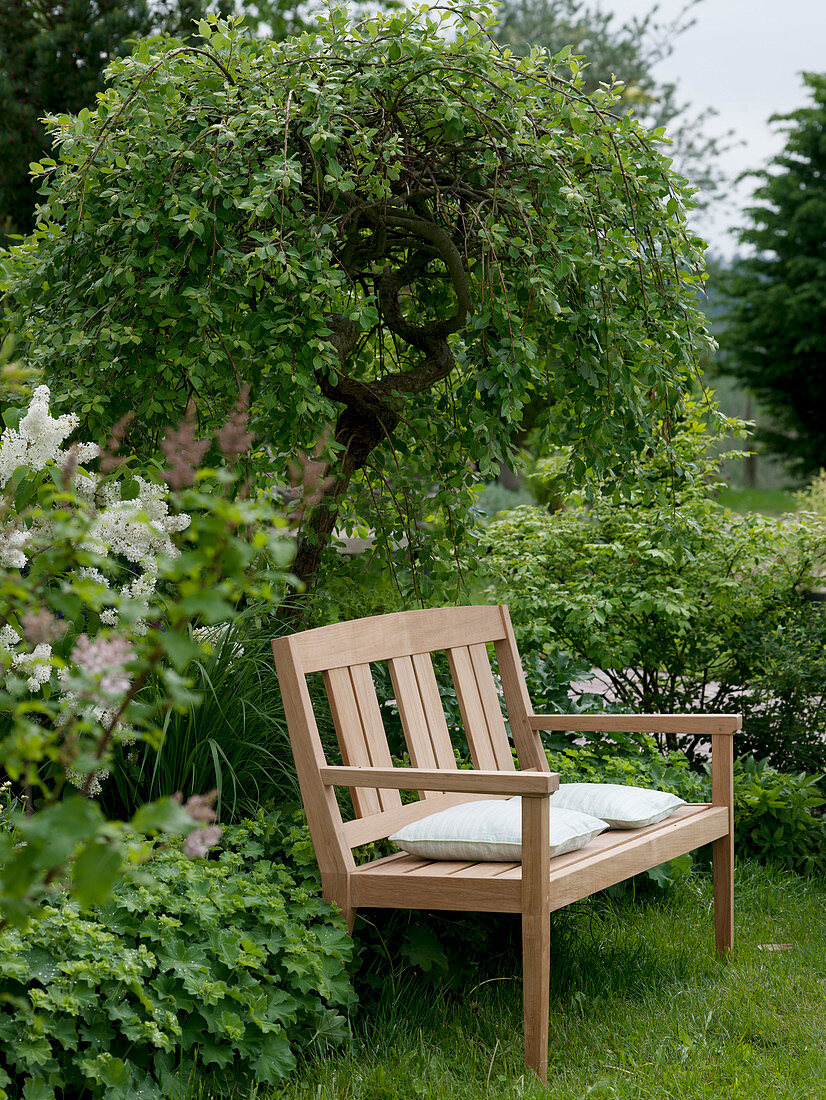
{"x":343,"y":653}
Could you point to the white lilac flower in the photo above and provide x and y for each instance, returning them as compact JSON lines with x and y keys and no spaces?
{"x":38,"y":438}
{"x":8,"y":636}
{"x":12,"y":545}
{"x":138,"y":529}
{"x":37,"y":665}
{"x":141,"y":588}
{"x":87,"y":451}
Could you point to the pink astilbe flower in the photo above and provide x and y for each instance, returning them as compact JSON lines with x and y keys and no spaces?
{"x":105,"y":658}
{"x":199,"y":807}
{"x":199,"y":842}
{"x":41,"y":626}
{"x":183,"y":452}
{"x":233,"y":438}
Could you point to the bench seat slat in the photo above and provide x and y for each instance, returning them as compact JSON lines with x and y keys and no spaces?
{"x":410,"y":883}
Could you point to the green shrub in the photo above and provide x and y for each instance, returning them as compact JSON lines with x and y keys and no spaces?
{"x":776,"y":817}
{"x":231,"y":965}
{"x":687,"y":609}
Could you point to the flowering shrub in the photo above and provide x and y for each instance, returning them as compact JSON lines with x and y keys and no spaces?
{"x":233,"y":964}
{"x":103,"y":575}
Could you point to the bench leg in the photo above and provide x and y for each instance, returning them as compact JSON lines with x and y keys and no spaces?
{"x":337,"y":891}
{"x":536,"y":972}
{"x":536,"y":932}
{"x":723,"y":863}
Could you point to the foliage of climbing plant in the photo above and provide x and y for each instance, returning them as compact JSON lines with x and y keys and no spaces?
{"x":397,"y":229}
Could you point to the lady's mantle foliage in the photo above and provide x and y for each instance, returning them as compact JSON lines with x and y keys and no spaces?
{"x":232,"y":964}
{"x":403,"y":231}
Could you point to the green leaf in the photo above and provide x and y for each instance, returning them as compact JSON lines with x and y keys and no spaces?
{"x":164,"y":816}
{"x":276,"y":1059}
{"x":95,"y":873}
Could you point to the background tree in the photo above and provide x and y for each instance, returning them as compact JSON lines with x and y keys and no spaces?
{"x":629,"y":52}
{"x":53,"y":54}
{"x":774,"y":340}
{"x":380,"y":229}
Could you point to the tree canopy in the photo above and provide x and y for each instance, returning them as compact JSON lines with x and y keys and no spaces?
{"x":627,"y":52}
{"x":403,"y":234}
{"x":775,"y":337}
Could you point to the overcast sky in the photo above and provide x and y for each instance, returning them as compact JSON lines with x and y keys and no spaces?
{"x":743,"y":57}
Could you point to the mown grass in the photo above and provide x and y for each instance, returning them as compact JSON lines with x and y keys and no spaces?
{"x":767,"y":502}
{"x":640,"y":1008}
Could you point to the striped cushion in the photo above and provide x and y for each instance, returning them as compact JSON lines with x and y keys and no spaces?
{"x":622,"y":807}
{"x":490,"y":830}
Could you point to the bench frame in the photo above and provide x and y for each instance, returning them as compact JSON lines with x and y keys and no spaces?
{"x":538,"y":885}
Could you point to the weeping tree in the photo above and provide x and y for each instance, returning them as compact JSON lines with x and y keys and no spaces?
{"x":397,"y":237}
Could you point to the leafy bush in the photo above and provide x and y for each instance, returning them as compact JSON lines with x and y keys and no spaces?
{"x":775,"y":819}
{"x":102,"y":575}
{"x":233,"y":965}
{"x":776,"y":815}
{"x":784,"y":704}
{"x":683,"y":605}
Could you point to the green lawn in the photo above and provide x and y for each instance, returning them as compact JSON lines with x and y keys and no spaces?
{"x":640,"y":1008}
{"x":769,"y":502}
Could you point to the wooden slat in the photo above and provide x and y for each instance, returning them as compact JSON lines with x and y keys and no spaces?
{"x":393,"y":889}
{"x":376,"y":738}
{"x":401,"y":634}
{"x":528,"y":743}
{"x":364,"y":830}
{"x":361,"y":735}
{"x":434,"y":712}
{"x":492,"y":870}
{"x":697,"y":724}
{"x":350,"y":733}
{"x":471,"y":709}
{"x":420,"y":709}
{"x":527,"y":784}
{"x":489,"y":698}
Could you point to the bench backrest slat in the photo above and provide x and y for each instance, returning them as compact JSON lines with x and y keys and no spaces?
{"x":397,"y":635}
{"x":422,"y":716}
{"x":360,"y":732}
{"x":344,"y":652}
{"x":479,"y":706}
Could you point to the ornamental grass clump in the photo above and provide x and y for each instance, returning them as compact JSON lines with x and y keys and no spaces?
{"x":228,"y":967}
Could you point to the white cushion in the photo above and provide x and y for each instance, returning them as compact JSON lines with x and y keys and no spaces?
{"x":490,"y":830}
{"x":622,"y":807}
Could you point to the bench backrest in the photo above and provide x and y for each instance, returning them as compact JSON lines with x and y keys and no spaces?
{"x":343,"y":652}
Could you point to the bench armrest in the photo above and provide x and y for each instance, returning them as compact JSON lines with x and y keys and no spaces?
{"x":529,"y":784}
{"x":703,"y":725}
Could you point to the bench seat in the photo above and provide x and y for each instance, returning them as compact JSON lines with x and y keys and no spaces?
{"x":402,"y":881}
